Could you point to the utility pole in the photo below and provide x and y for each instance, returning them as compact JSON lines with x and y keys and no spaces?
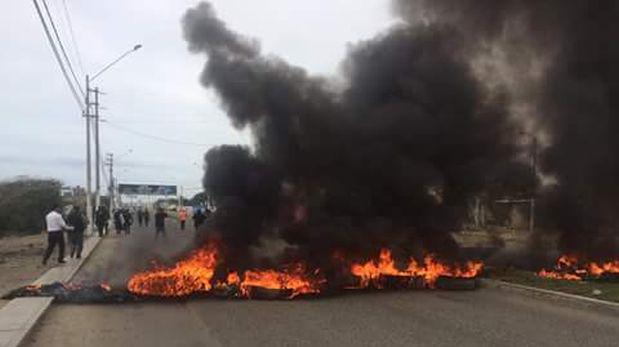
{"x":110,"y":163}
{"x":97,"y":152}
{"x":89,"y":209}
{"x":88,"y":159}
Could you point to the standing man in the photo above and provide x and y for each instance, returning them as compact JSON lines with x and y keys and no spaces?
{"x":146,"y":217}
{"x":182,"y":217}
{"x":128,"y":217}
{"x":76,"y":237}
{"x":198,"y":218}
{"x":140,"y":216}
{"x":101,"y":218}
{"x":160,"y":217}
{"x":55,"y":225}
{"x":118,"y":221}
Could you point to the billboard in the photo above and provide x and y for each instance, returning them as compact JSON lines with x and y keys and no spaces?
{"x":146,"y":189}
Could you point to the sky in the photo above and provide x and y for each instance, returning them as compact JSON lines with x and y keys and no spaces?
{"x":157,"y":119}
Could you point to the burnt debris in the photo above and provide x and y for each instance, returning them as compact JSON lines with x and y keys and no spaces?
{"x":98,"y":294}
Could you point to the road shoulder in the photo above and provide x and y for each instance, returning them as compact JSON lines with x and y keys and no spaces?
{"x":19,"y":316}
{"x":551,"y":294}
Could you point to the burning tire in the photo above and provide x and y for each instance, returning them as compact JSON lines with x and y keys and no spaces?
{"x":261,"y":293}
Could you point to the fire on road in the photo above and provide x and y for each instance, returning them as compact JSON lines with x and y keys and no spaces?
{"x":484,"y":317}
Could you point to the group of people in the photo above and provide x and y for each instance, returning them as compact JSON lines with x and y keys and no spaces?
{"x":76,"y":222}
{"x":143,"y":217}
{"x":122,"y":219}
{"x":199,"y":217}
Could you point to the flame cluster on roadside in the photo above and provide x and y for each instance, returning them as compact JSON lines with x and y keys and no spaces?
{"x":430,"y":270}
{"x":188,"y":276}
{"x":194,"y":275}
{"x":569,"y":267}
{"x":293,"y":278}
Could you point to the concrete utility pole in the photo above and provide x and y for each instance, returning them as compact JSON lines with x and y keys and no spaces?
{"x":110,"y":163}
{"x":89,"y":209}
{"x":97,"y":152}
{"x":88,"y":158}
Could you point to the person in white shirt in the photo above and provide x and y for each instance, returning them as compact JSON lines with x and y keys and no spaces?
{"x":55,"y":234}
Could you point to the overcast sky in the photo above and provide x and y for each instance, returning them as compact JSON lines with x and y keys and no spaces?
{"x":155,"y":91}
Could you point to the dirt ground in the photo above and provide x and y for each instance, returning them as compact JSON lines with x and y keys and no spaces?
{"x":20,"y":261}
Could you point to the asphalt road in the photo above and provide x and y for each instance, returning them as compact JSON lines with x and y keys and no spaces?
{"x":486,"y":317}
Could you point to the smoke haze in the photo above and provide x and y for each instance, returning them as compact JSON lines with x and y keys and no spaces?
{"x":575,"y":101}
{"x":390,"y":158}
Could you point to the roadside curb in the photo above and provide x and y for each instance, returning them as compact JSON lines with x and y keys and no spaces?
{"x":20,"y":315}
{"x":546,"y":292}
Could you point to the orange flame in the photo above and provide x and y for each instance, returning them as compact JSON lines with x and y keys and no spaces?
{"x":192,"y":275}
{"x":430,"y":270}
{"x":195,"y":275}
{"x":34,"y":287}
{"x":568,"y":267}
{"x":294,"y":278}
{"x":558,"y":275}
{"x":233,"y":279}
{"x":611,"y":267}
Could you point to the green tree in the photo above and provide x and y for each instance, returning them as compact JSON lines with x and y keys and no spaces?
{"x":200,"y":199}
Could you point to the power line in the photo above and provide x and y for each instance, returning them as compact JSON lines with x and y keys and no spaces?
{"x":156,"y":138}
{"x":75,"y":46}
{"x":57,"y":55}
{"x":64,"y":53}
{"x":163,"y":121}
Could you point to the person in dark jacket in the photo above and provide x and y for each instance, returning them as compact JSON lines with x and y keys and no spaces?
{"x":160,"y":217}
{"x":128,"y":217}
{"x":101,"y":218}
{"x":198,"y":218}
{"x":118,"y":221}
{"x":140,"y":216}
{"x":76,"y":236}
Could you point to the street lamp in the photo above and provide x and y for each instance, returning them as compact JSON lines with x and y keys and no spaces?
{"x":97,"y":149}
{"x":135,"y":48}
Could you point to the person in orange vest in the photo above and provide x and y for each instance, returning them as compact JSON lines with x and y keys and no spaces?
{"x":182,"y":217}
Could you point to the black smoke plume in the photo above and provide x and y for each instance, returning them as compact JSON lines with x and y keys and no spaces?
{"x":388,"y":160}
{"x":578,"y":102}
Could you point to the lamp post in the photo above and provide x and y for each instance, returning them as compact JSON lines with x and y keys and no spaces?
{"x":88,"y":115}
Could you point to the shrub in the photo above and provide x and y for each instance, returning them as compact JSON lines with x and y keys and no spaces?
{"x":24,"y":203}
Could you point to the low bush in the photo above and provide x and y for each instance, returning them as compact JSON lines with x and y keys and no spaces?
{"x":24,"y":203}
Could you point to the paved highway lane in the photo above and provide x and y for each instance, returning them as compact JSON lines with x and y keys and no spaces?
{"x":487,"y":317}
